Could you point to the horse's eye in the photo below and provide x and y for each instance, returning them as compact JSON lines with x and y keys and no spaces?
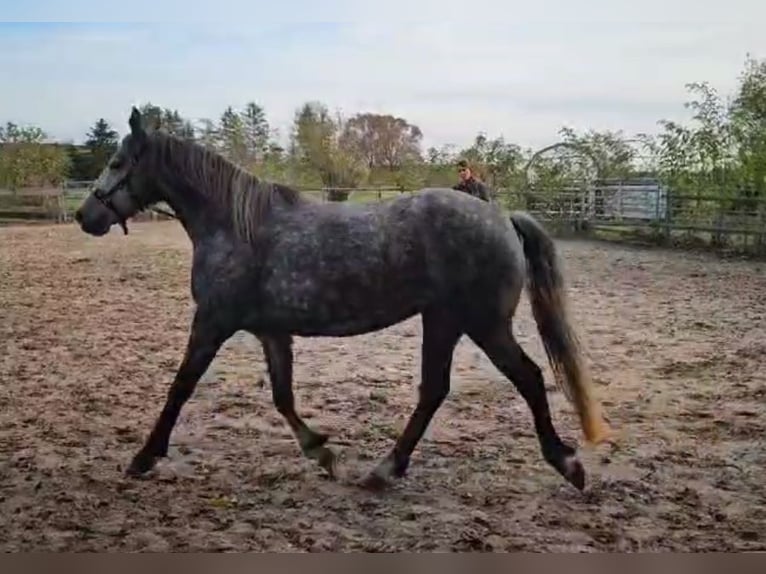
{"x":116,"y":164}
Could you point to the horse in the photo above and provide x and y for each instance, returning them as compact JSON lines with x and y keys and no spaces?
{"x":278,"y":264}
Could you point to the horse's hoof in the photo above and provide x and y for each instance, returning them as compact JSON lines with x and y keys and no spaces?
{"x":140,"y":466}
{"x":375,"y":482}
{"x":311,"y":440}
{"x":574,"y":472}
{"x":383,"y":475}
{"x":325,"y":458}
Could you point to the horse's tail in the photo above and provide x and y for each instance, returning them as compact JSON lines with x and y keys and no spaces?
{"x":546,"y":293}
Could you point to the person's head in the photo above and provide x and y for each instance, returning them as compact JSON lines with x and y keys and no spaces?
{"x":463,"y":170}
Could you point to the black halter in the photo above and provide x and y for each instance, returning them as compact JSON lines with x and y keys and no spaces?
{"x":105,"y":197}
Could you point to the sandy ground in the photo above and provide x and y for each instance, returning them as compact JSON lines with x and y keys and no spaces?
{"x":91,"y":331}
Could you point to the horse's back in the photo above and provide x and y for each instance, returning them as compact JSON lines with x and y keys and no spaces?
{"x":369,"y":265}
{"x":433,"y":226}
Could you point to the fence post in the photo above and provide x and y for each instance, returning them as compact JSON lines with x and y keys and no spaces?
{"x":62,"y":216}
{"x":761,"y":223}
{"x":668,"y":219}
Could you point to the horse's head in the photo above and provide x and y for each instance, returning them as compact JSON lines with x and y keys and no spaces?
{"x":124,"y":186}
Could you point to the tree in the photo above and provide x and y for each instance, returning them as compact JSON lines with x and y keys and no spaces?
{"x":256,"y":132}
{"x":26,"y":159}
{"x":232,"y":136}
{"x":716,"y":148}
{"x":101,"y":142}
{"x":169,"y":120}
{"x":102,"y":137}
{"x":208,"y":134}
{"x":382,"y":140}
{"x":14,"y":134}
{"x":151,"y":114}
{"x":313,"y":134}
{"x":748,"y":129}
{"x":316,"y":145}
{"x":610,"y":151}
{"x":80,"y":162}
{"x":174,"y":124}
{"x":498,"y":162}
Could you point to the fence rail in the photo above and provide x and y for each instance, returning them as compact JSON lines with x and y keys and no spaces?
{"x":651,"y":212}
{"x":639,"y":209}
{"x":59,"y":204}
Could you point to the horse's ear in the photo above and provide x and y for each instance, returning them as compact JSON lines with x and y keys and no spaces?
{"x":136,"y":128}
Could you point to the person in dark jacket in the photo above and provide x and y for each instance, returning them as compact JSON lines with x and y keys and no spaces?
{"x":469,"y":183}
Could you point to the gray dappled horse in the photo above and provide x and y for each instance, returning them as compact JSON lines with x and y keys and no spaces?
{"x":277,"y":264}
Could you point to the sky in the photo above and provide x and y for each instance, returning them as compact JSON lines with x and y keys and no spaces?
{"x":520,"y":70}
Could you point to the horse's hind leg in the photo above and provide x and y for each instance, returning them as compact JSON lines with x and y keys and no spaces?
{"x":279,"y":359}
{"x":507,"y":355}
{"x":441,"y":332}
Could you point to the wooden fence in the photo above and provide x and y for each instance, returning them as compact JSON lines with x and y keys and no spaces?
{"x":58,"y":205}
{"x":634,"y":210}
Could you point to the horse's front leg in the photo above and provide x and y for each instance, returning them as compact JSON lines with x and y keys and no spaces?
{"x":279,"y":359}
{"x":205,"y":339}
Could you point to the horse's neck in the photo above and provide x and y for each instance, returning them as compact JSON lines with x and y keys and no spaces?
{"x":191,"y":206}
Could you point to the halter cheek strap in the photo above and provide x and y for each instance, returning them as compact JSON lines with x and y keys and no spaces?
{"x":105,"y":197}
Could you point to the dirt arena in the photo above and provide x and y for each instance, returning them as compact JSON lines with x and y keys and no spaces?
{"x":91,"y":331}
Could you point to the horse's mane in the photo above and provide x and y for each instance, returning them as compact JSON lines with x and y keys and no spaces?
{"x":247,"y":199}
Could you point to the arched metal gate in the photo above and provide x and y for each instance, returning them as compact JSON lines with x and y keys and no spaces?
{"x":565,"y":183}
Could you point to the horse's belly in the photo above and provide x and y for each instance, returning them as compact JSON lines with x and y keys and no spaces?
{"x":346,"y":305}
